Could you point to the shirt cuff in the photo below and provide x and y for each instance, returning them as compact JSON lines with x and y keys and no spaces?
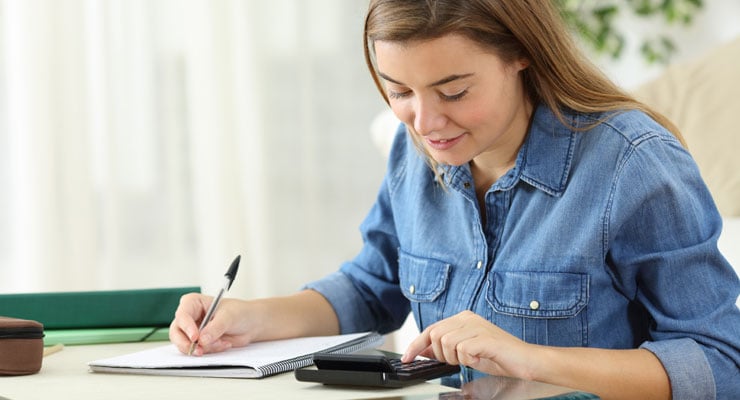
{"x":687,"y":367}
{"x":341,"y":293}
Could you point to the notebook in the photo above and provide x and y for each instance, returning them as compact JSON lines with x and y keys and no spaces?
{"x":256,"y":360}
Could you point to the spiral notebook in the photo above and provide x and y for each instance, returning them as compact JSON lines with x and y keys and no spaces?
{"x":256,"y":360}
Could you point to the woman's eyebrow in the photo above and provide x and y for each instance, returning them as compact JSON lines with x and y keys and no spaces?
{"x":442,"y":81}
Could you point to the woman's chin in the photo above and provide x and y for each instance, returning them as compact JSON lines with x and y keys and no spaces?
{"x":452,"y":161}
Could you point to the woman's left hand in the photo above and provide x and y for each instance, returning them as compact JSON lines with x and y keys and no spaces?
{"x":470,"y":340}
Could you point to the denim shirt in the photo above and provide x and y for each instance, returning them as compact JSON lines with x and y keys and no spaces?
{"x":604,"y":237}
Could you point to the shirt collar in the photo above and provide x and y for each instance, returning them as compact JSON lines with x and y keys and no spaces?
{"x":544,"y":160}
{"x":547,"y":153}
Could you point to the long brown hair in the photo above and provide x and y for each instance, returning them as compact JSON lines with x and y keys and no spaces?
{"x":558,"y":74}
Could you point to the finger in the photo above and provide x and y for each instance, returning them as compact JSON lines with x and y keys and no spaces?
{"x":191,"y":303}
{"x":183,"y":329}
{"x":445,"y":335}
{"x":208,"y":340}
{"x":179,"y":338}
{"x":216,"y":328}
{"x":451,"y":340}
{"x":428,"y":352}
{"x":448,"y":347}
{"x":427,"y":343}
{"x":467,"y":356}
{"x":435,"y":335}
{"x":214,"y":347}
{"x":418,"y":345}
{"x":481,"y":355}
{"x":190,"y":311}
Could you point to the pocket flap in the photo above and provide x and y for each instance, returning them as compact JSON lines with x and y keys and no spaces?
{"x":422,"y":279}
{"x":539,"y":294}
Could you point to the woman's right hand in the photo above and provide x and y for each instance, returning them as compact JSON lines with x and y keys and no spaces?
{"x":228,"y":328}
{"x":236,"y":323}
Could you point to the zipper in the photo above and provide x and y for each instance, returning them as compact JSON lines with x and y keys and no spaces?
{"x":22,"y":333}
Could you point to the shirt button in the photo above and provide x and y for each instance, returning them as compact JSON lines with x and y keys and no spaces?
{"x":534,"y":304}
{"x":479,"y":265}
{"x":412,"y":289}
{"x":466,"y":185}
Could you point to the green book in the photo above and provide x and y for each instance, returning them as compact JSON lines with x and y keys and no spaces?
{"x":69,"y":337}
{"x":150,"y":308}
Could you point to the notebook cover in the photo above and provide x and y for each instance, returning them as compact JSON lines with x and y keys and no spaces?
{"x":96,"y":309}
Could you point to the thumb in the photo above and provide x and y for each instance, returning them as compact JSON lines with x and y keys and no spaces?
{"x":214,"y":329}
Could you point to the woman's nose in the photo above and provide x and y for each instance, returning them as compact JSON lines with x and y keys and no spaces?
{"x":428,"y":117}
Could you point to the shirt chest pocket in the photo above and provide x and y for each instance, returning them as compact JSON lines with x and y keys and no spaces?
{"x":424,"y":282}
{"x":546,"y":308}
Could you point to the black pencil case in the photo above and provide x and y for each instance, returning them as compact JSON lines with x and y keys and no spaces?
{"x":21,"y":346}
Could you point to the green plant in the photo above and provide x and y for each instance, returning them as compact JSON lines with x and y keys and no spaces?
{"x":594,"y":22}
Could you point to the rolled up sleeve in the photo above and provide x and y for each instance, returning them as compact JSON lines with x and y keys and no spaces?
{"x":687,"y":367}
{"x":339,"y":290}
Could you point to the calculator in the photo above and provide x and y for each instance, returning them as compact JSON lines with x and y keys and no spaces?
{"x":375,"y":369}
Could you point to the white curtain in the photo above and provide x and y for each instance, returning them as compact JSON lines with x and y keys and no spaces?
{"x":145,"y":143}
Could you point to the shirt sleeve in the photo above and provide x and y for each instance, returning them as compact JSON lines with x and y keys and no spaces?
{"x":354,"y":311}
{"x":662,"y":232}
{"x":679,"y":358}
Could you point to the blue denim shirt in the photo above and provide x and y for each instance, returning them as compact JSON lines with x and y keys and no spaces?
{"x":599,"y":238}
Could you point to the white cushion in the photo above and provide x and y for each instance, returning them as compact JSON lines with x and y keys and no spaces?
{"x":729,"y":243}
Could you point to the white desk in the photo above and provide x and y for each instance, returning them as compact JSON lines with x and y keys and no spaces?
{"x":65,"y":375}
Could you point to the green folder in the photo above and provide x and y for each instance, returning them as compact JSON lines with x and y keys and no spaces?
{"x":98,"y":316}
{"x":104,"y":335}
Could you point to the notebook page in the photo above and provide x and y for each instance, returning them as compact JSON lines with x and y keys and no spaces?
{"x":254,"y":355}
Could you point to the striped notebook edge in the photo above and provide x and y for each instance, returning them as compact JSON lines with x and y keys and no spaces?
{"x":372,"y":339}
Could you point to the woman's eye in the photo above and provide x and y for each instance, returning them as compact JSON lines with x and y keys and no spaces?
{"x":455,"y":97}
{"x":398,"y":95}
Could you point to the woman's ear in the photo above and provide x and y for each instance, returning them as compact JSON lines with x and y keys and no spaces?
{"x":522,"y":64}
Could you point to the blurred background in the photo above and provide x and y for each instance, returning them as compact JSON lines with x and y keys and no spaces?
{"x":146,"y":143}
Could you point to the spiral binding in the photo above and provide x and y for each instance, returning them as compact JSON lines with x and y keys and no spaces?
{"x":371,"y":340}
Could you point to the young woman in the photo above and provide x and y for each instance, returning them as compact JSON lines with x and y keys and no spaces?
{"x":537,"y":221}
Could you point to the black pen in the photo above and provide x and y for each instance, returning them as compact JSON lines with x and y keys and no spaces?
{"x":229,"y":279}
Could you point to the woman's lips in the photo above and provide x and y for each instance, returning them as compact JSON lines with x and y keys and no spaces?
{"x":444,"y":144}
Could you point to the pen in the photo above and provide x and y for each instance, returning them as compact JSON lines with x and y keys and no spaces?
{"x":53,"y":349}
{"x":229,"y":279}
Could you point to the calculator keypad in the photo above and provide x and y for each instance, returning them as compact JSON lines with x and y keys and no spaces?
{"x":413,"y":366}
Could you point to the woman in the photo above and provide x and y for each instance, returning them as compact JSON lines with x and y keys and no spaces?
{"x":537,"y":221}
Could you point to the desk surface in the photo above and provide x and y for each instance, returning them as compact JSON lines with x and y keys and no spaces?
{"x":65,"y":375}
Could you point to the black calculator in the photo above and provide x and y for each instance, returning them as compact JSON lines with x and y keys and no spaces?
{"x":377,"y":369}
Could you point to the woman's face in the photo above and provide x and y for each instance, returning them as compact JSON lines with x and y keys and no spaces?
{"x":463,"y":101}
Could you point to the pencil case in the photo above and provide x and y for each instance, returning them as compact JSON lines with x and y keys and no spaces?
{"x":21,"y":346}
